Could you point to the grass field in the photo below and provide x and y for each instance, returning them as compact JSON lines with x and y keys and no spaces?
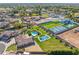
{"x":45,"y":15}
{"x":52,"y":24}
{"x":57,"y":23}
{"x":51,"y":44}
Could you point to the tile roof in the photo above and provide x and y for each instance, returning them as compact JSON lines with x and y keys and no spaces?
{"x":23,"y":40}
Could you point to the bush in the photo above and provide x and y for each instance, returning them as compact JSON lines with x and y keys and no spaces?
{"x":61,"y":53}
{"x":18,"y":25}
{"x":75,"y":51}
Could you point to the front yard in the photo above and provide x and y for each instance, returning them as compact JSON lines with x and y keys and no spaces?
{"x":12,"y":48}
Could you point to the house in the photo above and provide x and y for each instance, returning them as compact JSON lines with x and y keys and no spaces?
{"x":11,"y":19}
{"x":4,"y":24}
{"x":1,"y":19}
{"x":4,"y":38}
{"x":6,"y":35}
{"x":2,"y":47}
{"x":45,"y":20}
{"x":76,"y":14}
{"x":23,"y":41}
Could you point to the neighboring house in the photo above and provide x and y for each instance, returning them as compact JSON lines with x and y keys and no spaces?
{"x":1,"y":19}
{"x":45,"y":20}
{"x":15,"y":33}
{"x":5,"y":36}
{"x":2,"y":47}
{"x":76,"y":15}
{"x":23,"y":41}
{"x":11,"y":19}
{"x":12,"y":32}
{"x":4,"y":24}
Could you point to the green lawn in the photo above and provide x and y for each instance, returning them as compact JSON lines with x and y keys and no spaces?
{"x":52,"y":24}
{"x":33,"y":14}
{"x":12,"y":48}
{"x":45,"y":15}
{"x":51,"y":44}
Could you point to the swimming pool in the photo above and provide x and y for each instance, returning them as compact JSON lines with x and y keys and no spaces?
{"x":34,"y":33}
{"x":43,"y":38}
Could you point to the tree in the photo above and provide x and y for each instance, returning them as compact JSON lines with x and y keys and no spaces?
{"x":70,"y":15}
{"x":21,"y":8}
{"x":29,"y":25}
{"x":76,"y":51}
{"x":37,"y":10}
{"x":18,"y":25}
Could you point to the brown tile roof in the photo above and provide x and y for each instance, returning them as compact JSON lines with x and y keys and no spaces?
{"x":10,"y":33}
{"x":23,"y":40}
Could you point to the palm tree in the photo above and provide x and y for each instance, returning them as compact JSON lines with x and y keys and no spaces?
{"x":38,"y":10}
{"x":70,"y":15}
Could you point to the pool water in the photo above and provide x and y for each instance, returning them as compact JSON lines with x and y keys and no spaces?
{"x":43,"y":38}
{"x":34,"y":33}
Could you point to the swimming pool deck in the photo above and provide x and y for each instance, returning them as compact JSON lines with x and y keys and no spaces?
{"x":45,"y":37}
{"x":71,"y":37}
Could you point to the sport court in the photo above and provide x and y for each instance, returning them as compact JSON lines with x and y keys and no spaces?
{"x":60,"y":26}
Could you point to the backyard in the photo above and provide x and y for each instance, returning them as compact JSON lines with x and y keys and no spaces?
{"x":51,"y":44}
